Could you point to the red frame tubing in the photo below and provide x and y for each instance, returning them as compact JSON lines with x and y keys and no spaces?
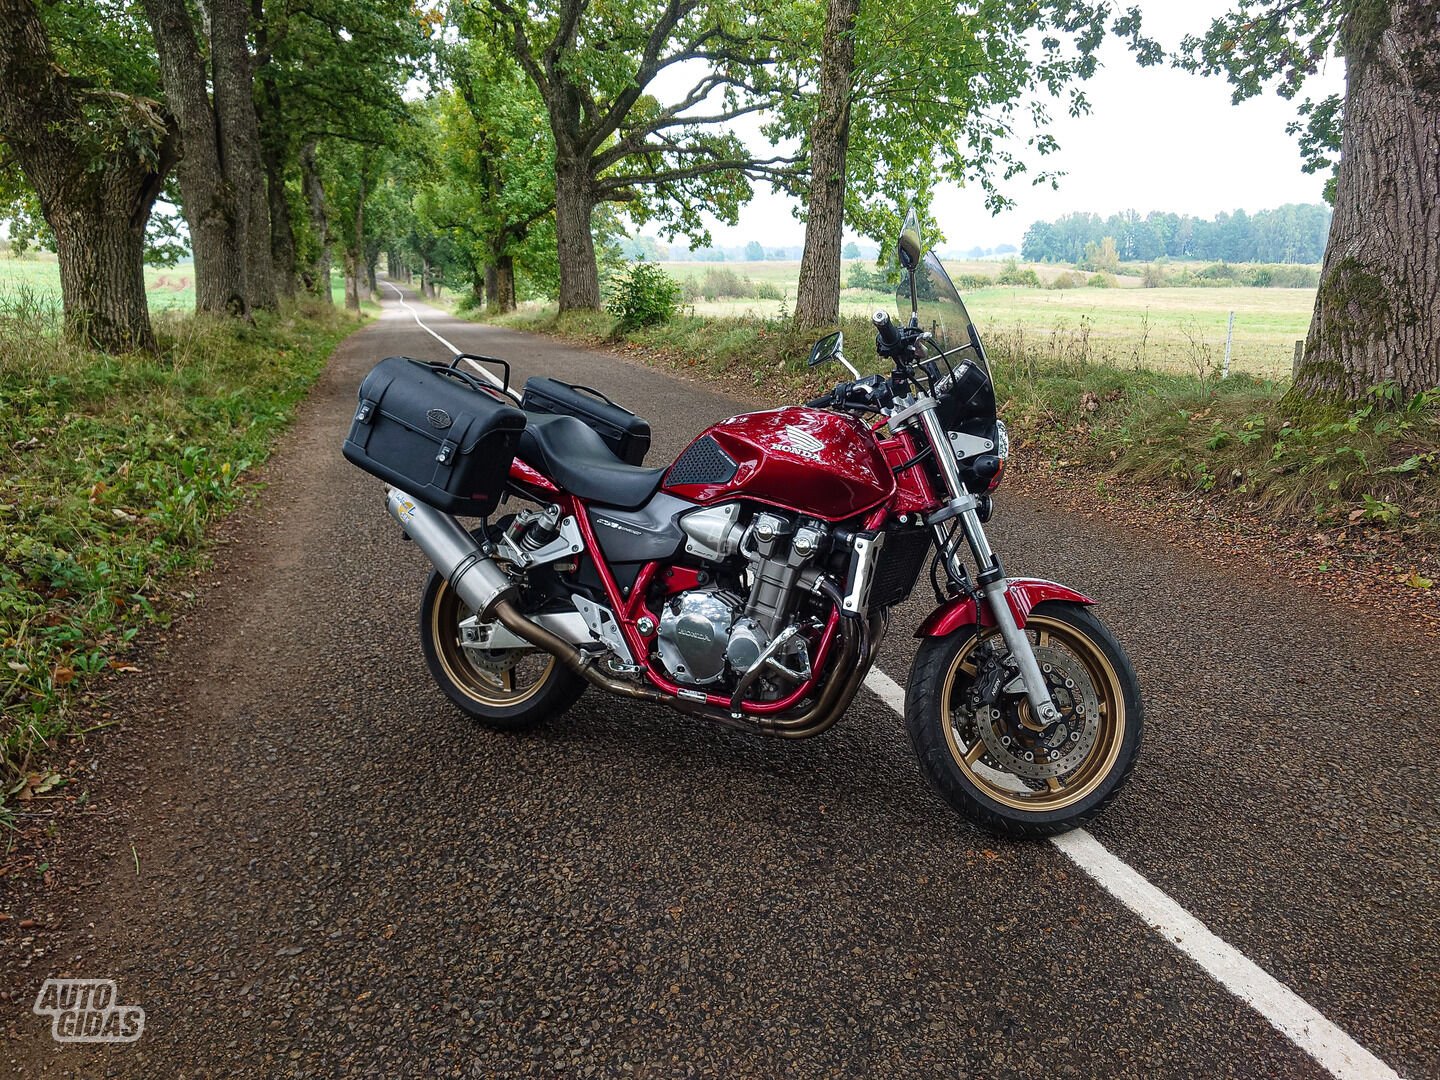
{"x":629,"y":611}
{"x":1023,"y":594}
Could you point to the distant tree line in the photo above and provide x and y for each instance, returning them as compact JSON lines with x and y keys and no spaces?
{"x":1294,"y":233}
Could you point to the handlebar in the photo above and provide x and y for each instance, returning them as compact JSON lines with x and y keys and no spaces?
{"x":867,"y":394}
{"x":885,"y":330}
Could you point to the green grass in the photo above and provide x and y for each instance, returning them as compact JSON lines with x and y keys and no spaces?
{"x":1175,"y":329}
{"x":1375,"y":465}
{"x":111,"y":468}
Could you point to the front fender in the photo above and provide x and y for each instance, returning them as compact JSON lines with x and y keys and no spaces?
{"x":1023,"y":594}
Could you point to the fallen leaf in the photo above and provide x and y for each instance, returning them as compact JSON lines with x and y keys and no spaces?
{"x":1416,"y":581}
{"x":49,"y":781}
{"x":63,"y":676}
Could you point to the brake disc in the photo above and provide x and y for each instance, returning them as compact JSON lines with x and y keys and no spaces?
{"x":1017,"y":747}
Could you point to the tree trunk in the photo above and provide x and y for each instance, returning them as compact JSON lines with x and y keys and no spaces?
{"x":477,"y":289}
{"x":818,"y":300}
{"x":282,"y":228}
{"x":234,"y":81}
{"x":370,"y":281}
{"x":207,"y":198}
{"x":574,"y":206}
{"x":352,"y":280}
{"x":96,"y":207}
{"x":355,"y":251}
{"x":1377,"y":315}
{"x":504,"y":295}
{"x":426,"y":289}
{"x":101,"y":251}
{"x":275,"y":149}
{"x":492,"y":289}
{"x":319,"y":223}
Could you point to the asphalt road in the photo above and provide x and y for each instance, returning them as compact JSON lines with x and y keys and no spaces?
{"x":338,"y":874}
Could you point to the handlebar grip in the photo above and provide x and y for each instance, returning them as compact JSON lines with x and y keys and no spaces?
{"x":886,"y":330}
{"x":825,"y":401}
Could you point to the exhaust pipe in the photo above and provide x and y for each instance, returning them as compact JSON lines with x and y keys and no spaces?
{"x":453,"y":552}
{"x":488,"y":591}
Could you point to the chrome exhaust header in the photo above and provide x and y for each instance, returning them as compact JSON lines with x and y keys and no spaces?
{"x":476,"y":579}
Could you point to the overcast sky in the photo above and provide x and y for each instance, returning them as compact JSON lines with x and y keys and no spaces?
{"x":1155,"y":139}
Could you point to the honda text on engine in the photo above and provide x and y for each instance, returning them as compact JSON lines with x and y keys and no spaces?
{"x":750,"y":581}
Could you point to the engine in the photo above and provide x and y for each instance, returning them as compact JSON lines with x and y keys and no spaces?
{"x":722,"y":631}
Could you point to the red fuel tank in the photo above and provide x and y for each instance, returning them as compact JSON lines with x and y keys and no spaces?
{"x":819,"y":463}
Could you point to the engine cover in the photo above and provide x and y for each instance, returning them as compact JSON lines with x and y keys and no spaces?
{"x":694,"y":632}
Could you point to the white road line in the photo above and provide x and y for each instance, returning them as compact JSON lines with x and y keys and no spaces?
{"x":497,"y":383}
{"x":1285,"y":1010}
{"x":887,"y":690}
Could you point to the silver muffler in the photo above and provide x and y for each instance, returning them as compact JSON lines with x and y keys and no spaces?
{"x":453,"y":552}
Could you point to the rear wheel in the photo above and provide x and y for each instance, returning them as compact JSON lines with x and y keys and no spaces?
{"x":987,"y":755}
{"x":510,"y":689}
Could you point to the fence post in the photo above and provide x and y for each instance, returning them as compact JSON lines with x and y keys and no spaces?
{"x":1229,"y":340}
{"x":1299,"y":356}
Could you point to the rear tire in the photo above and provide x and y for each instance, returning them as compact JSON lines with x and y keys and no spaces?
{"x":535,"y":687}
{"x":970,"y":774}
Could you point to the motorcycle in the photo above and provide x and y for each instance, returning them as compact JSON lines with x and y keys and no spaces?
{"x":751,"y":581}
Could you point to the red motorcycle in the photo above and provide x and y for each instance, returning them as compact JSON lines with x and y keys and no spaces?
{"x":750,"y":581}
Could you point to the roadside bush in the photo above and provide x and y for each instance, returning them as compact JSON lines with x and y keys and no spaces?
{"x":1221,"y":272}
{"x":722,"y":283}
{"x":971,"y":282}
{"x":1012,"y":274}
{"x":864,"y":276}
{"x":643,"y":295}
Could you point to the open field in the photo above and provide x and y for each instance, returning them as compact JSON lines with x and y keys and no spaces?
{"x":38,"y":272}
{"x":166,"y":286}
{"x":1168,"y":328}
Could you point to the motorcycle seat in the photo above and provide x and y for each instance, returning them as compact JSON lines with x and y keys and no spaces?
{"x":572,"y":454}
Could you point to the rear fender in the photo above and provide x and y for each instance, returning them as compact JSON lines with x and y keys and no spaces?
{"x":1023,"y":594}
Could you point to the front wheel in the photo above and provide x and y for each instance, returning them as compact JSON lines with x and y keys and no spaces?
{"x":986,"y":754}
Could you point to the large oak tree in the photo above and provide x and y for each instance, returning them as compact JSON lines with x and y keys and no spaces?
{"x":96,"y":154}
{"x":594,"y":66}
{"x":905,"y":94}
{"x":1377,"y":315}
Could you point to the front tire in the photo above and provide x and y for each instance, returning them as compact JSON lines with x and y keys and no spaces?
{"x":503,"y":691}
{"x":991,"y":761}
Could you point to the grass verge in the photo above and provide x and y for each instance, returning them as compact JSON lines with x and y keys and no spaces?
{"x":110,"y":470}
{"x":1371,"y":471}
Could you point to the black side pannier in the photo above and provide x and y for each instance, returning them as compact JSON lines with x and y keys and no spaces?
{"x":437,"y":433}
{"x":624,"y":432}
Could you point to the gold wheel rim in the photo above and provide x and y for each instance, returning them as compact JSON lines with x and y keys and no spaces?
{"x":495,"y":689}
{"x":1091,"y":772}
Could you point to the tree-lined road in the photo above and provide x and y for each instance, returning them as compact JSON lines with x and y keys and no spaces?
{"x":337,"y":873}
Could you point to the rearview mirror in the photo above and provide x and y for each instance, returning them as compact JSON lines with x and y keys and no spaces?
{"x":826,"y":349}
{"x":910,"y":245}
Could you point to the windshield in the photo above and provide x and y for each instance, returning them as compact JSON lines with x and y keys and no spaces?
{"x":941,"y":312}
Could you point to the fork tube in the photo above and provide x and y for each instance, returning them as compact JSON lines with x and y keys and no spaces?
{"x":991,"y":574}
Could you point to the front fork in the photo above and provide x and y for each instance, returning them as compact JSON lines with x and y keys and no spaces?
{"x":990,"y":578}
